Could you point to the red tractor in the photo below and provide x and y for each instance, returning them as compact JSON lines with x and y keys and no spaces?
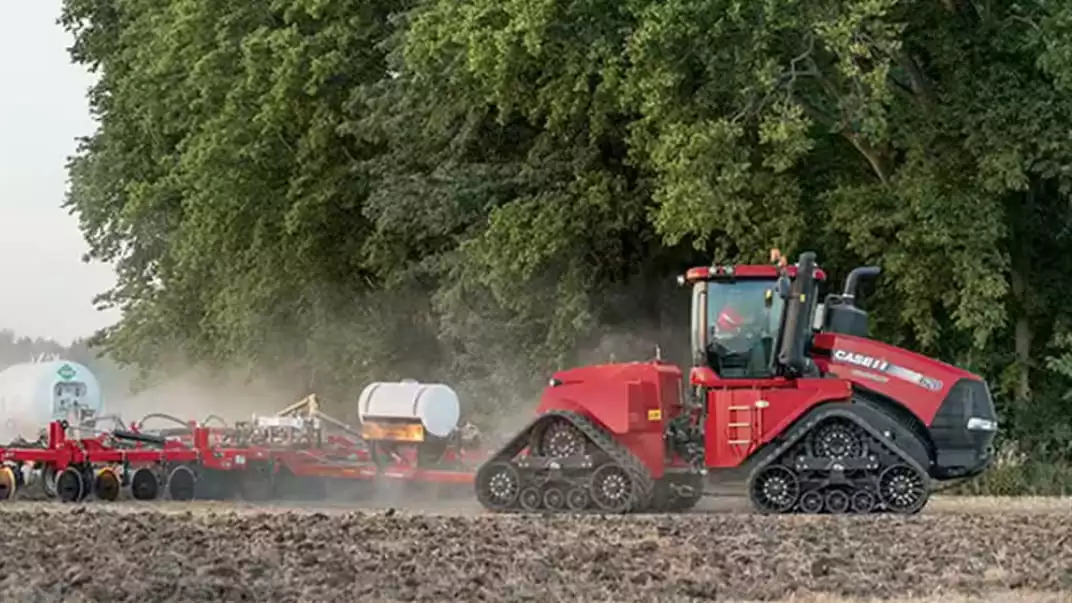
{"x":786,"y":393}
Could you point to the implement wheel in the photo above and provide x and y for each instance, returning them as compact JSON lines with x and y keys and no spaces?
{"x":144,"y":484}
{"x":181,"y":483}
{"x":107,"y":484}
{"x":8,"y":483}
{"x":70,"y":487}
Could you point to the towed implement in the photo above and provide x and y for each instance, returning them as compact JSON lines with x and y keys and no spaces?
{"x":409,"y":434}
{"x":786,"y":394}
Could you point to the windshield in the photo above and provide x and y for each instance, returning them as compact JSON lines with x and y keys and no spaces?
{"x":740,"y":326}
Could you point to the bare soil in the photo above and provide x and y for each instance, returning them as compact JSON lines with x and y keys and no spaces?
{"x":959,"y":550}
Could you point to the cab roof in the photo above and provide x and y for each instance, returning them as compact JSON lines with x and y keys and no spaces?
{"x":742,"y":271}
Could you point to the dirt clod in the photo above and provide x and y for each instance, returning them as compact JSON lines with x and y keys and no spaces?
{"x":142,"y":553}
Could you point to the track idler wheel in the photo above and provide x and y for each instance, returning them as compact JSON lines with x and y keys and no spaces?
{"x":144,"y":484}
{"x":181,"y":483}
{"x":902,"y":489}
{"x":775,"y":489}
{"x":612,"y":488}
{"x":107,"y":484}
{"x":498,"y":485}
{"x":70,"y":487}
{"x":8,"y":483}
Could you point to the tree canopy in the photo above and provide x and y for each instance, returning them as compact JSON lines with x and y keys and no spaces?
{"x":339,"y":191}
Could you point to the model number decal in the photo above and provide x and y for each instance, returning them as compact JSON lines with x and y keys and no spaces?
{"x":869,"y":362}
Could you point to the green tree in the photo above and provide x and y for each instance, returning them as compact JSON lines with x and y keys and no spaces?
{"x":480,"y":191}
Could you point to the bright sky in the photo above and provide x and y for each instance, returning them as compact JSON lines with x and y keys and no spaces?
{"x":45,"y":289}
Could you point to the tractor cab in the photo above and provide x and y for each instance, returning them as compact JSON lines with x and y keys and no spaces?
{"x":756,"y":321}
{"x":737,"y":313}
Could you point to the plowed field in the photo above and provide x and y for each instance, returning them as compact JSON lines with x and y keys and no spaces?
{"x":958,"y":550}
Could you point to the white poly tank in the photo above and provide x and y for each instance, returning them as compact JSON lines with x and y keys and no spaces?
{"x":434,"y":404}
{"x":34,"y":393}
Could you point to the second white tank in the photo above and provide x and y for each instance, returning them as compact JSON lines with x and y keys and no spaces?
{"x":434,"y":404}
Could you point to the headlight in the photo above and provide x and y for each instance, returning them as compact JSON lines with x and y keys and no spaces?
{"x":980,"y":424}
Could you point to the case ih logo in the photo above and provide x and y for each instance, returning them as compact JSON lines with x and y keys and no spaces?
{"x":868,"y":362}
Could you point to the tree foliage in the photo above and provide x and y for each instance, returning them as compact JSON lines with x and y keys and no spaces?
{"x":481,"y":190}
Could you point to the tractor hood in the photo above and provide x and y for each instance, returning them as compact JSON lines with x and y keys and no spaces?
{"x":916,"y":381}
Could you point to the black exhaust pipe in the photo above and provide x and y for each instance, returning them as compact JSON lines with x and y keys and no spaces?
{"x":853,"y":279}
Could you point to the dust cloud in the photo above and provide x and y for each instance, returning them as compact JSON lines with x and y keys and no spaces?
{"x":194,"y":396}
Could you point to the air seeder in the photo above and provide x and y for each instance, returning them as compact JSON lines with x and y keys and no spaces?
{"x":409,"y":435}
{"x":789,"y":394}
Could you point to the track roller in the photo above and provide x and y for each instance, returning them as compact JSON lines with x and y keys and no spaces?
{"x":863,"y":501}
{"x":530,"y":499}
{"x":8,"y":483}
{"x":837,"y":501}
{"x":577,"y":499}
{"x":181,"y":483}
{"x":144,"y":485}
{"x":812,"y":502}
{"x":554,"y":499}
{"x":107,"y":484}
{"x":70,"y":486}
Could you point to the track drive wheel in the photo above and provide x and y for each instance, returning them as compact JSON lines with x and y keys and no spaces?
{"x":106,"y":484}
{"x":498,"y":485}
{"x":70,"y":487}
{"x":612,"y":488}
{"x":144,"y":485}
{"x":8,"y":483}
{"x":775,"y":489}
{"x":838,"y":439}
{"x":560,"y":438}
{"x":181,"y":483}
{"x":903,"y":489}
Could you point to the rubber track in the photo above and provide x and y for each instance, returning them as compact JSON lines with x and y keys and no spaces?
{"x":643,"y":484}
{"x":801,"y":429}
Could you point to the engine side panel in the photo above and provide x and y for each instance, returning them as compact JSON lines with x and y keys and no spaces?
{"x":917,"y":382}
